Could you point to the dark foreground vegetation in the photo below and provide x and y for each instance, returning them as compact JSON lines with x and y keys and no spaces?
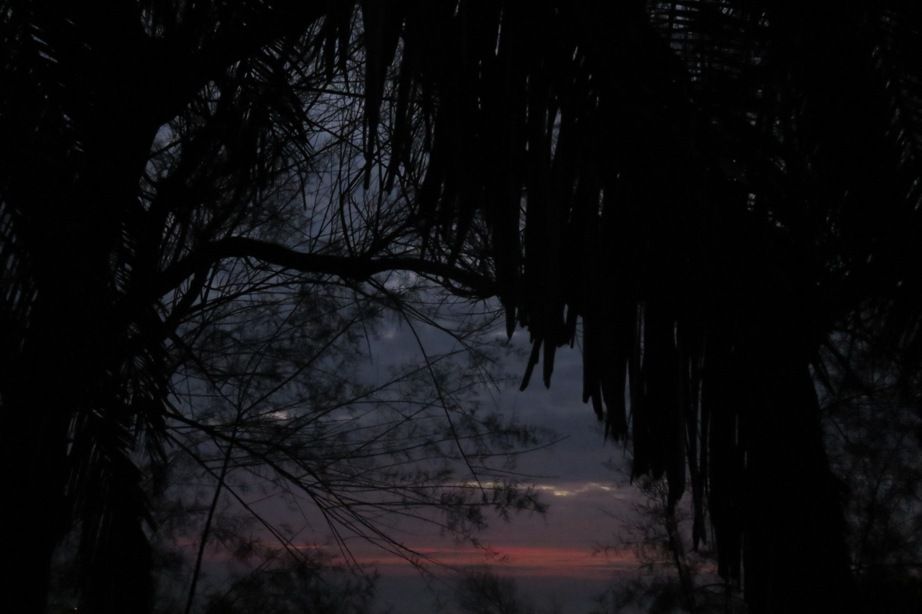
{"x":720,"y":200}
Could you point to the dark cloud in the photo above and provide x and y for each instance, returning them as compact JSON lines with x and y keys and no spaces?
{"x":590,"y":502}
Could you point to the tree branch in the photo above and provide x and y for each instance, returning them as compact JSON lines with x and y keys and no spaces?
{"x":351,"y":268}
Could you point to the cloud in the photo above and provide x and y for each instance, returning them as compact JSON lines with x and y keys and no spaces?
{"x":572,"y":490}
{"x":586,"y":497}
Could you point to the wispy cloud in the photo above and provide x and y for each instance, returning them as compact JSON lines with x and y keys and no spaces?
{"x":571,"y":489}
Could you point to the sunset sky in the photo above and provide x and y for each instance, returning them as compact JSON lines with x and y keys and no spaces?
{"x":552,"y":557}
{"x":582,"y":478}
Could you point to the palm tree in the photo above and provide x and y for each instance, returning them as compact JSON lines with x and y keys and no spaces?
{"x":707,"y":188}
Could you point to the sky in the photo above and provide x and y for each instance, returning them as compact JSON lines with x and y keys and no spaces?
{"x":582,"y":478}
{"x":553,"y":557}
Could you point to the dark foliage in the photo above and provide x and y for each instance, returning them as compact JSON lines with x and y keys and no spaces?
{"x":294,"y":589}
{"x":871,"y":413}
{"x":708,"y":187}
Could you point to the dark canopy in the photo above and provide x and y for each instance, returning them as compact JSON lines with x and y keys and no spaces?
{"x":697,"y":192}
{"x":705,"y":189}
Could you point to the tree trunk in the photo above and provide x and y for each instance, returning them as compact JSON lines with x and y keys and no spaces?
{"x":794,"y":550}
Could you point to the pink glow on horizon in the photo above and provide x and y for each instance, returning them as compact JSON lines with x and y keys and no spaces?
{"x":511,"y":560}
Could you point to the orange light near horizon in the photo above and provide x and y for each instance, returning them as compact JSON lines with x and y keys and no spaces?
{"x":512,"y":561}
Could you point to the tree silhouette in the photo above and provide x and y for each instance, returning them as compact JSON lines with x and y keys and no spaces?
{"x":483,"y":592}
{"x":480,"y":590}
{"x":138,"y":207}
{"x":707,"y":187}
{"x":874,"y":429}
{"x":294,"y":588}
